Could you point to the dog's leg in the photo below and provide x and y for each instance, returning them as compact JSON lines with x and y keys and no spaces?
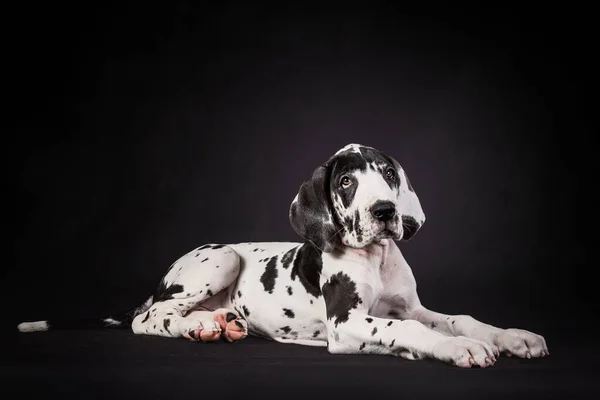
{"x":402,"y":300}
{"x":191,"y":280}
{"x":351,"y":330}
{"x":518,"y":342}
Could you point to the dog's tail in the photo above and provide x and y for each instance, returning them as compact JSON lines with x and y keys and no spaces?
{"x":121,"y":320}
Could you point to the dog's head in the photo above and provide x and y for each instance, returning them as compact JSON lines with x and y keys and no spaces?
{"x":359,"y":196}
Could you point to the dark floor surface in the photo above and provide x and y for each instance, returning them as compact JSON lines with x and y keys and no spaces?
{"x":119,"y":364}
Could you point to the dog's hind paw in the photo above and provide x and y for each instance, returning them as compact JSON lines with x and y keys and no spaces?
{"x":204,"y":331}
{"x":234,"y":328}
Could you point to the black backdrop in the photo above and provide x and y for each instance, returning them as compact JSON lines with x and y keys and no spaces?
{"x":144,"y":131}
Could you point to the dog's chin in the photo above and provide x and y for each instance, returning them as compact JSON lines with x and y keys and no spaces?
{"x":378,"y":231}
{"x":386,"y":231}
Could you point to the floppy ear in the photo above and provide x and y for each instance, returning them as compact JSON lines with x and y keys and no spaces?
{"x":310,"y":213}
{"x":411,"y":211}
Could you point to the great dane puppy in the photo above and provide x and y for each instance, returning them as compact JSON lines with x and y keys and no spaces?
{"x":347,"y":287}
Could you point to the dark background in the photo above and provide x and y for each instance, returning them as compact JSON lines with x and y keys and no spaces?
{"x":143,"y":131}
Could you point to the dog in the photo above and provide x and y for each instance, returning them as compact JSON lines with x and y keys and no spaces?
{"x":346,"y":287}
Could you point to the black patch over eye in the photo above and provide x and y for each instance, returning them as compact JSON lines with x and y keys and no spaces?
{"x":345,"y":182}
{"x":391,"y":174}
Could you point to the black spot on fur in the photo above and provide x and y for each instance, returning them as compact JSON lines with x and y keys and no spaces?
{"x":394,"y":314}
{"x":316,"y":333}
{"x":362,"y":346}
{"x":255,"y":250}
{"x":180,"y":304}
{"x":146,"y":317}
{"x":348,"y":224}
{"x":207,"y":284}
{"x":288,"y":313}
{"x":374,"y":331}
{"x":410,"y":225}
{"x":246,"y":311}
{"x":206,"y":246}
{"x":349,"y":161}
{"x":347,"y":194}
{"x":340,"y":297}
{"x":307,"y":267}
{"x":357,"y":229}
{"x":390,"y":323}
{"x":164,"y":293}
{"x":166,"y":324}
{"x":392,"y":344}
{"x":311,"y":302}
{"x":239,"y":324}
{"x":219,"y":246}
{"x":369,"y":320}
{"x":453,"y":322}
{"x":289,"y":290}
{"x":239,"y":293}
{"x":187,"y":294}
{"x":204,"y":260}
{"x":433,"y":325}
{"x":209,"y":292}
{"x":372,"y":155}
{"x":288,"y":257}
{"x":286,"y":329}
{"x":169,"y":313}
{"x":192,"y":333}
{"x":270,"y":274}
{"x":154,"y":327}
{"x":380,"y":342}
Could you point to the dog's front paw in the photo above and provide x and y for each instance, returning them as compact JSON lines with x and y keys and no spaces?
{"x":464,"y":352}
{"x":521,"y":343}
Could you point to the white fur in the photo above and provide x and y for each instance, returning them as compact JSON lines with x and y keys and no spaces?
{"x":352,"y":147}
{"x":33,"y":326}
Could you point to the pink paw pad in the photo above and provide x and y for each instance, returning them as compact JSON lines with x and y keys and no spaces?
{"x":234,"y":327}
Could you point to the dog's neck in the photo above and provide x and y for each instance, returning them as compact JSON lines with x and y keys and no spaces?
{"x":375,"y":253}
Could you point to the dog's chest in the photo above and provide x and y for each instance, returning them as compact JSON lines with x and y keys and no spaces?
{"x":364,"y":267}
{"x":277,"y":291}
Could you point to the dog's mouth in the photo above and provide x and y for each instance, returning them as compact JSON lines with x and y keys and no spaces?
{"x":388,"y":230}
{"x":375,"y":231}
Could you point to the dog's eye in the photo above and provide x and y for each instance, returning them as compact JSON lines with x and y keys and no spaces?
{"x":345,"y":182}
{"x":391,"y":174}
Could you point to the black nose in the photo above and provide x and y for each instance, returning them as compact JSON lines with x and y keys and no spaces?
{"x":383,"y":210}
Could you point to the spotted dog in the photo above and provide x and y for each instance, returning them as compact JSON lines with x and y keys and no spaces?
{"x":347,"y":287}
